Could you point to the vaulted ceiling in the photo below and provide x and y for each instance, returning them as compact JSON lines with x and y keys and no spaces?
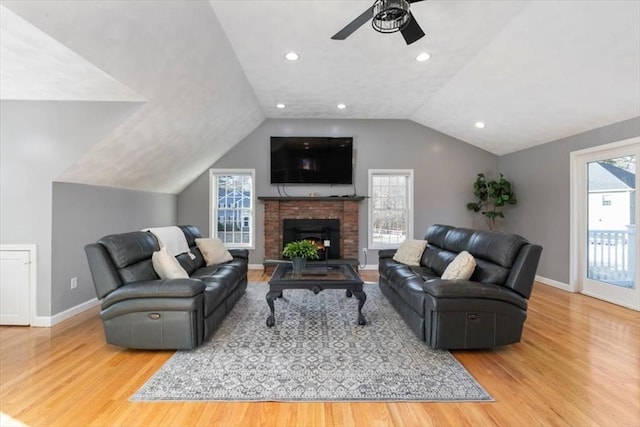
{"x":208,"y":73}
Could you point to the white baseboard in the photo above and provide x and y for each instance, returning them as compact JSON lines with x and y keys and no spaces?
{"x":369,"y":267}
{"x":48,"y":321}
{"x":554,"y":283}
{"x":256,"y":267}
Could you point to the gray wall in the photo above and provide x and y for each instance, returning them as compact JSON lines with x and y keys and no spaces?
{"x":444,"y":171}
{"x":38,"y":141}
{"x":541,"y":179}
{"x":84,"y":213}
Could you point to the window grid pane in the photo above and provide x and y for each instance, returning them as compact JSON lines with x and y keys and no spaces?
{"x":234,"y":209}
{"x":390,"y":209}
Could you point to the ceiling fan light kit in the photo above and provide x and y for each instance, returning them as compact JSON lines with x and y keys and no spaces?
{"x":387,"y":16}
{"x":390,"y":16}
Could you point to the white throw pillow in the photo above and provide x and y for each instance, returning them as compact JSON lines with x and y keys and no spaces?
{"x":461,"y":268}
{"x":410,"y":252}
{"x":167,"y":266}
{"x":213,"y":251}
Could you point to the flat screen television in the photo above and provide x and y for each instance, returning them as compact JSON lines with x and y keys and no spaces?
{"x":311,"y":160}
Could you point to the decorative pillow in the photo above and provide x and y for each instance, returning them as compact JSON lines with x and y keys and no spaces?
{"x":213,"y":251}
{"x":167,"y":266}
{"x":410,"y":252}
{"x":461,"y":268}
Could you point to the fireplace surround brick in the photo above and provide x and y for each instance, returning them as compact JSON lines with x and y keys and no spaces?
{"x":345,"y":209}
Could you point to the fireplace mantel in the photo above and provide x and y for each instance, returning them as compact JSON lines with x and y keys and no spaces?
{"x":311,"y":198}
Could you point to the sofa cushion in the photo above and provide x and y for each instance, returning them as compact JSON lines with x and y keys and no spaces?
{"x":437,"y":233}
{"x":461,"y":268}
{"x":464,"y":289}
{"x":191,"y":233}
{"x":167,"y":266}
{"x":410,"y":252}
{"x":155,"y":290}
{"x":213,"y":250}
{"x":424,"y":272}
{"x":129,"y":248}
{"x":410,"y":290}
{"x":437,"y":259}
{"x":488,"y":272}
{"x":499,"y":248}
{"x":214,"y":294}
{"x":458,"y":239}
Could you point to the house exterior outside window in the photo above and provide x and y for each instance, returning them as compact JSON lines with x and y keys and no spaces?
{"x":390,"y":207}
{"x":232,"y":206}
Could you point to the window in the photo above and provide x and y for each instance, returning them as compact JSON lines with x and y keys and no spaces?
{"x":390,"y":207}
{"x":606,"y":200}
{"x":232,"y":214}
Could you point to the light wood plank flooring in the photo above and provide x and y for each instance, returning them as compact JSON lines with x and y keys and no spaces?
{"x":577,"y":365}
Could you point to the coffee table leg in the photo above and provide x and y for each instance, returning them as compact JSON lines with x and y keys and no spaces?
{"x":362,"y":297}
{"x":271,"y":295}
{"x":348,"y":293}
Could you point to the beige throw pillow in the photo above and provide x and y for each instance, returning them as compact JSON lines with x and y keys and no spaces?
{"x":213,"y":251}
{"x":410,"y":252}
{"x":167,"y":266}
{"x":461,"y":268}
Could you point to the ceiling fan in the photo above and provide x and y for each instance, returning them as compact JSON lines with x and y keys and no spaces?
{"x":387,"y":16}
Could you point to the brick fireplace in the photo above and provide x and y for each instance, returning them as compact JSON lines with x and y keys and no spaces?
{"x":343,"y":209}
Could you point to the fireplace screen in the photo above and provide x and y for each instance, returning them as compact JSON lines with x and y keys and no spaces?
{"x":319,"y":231}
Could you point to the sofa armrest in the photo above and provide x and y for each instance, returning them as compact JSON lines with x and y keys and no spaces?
{"x":386,"y":253}
{"x":239,"y":253}
{"x":169,"y":288}
{"x":439,"y":288}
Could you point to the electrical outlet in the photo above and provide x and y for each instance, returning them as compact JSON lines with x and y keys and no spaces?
{"x":364,"y":251}
{"x":74,"y":282}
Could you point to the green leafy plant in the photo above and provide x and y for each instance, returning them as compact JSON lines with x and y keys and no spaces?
{"x":492,"y":197}
{"x":301,"y":249}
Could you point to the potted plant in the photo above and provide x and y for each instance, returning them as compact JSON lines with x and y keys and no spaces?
{"x":492,"y":197}
{"x":299,"y":252}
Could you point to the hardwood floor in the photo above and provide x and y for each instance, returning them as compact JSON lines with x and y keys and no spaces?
{"x":578,"y":364}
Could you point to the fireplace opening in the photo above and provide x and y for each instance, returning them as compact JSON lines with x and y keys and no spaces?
{"x":318,"y":231}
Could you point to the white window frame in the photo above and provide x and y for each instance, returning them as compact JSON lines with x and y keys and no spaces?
{"x":409,"y":203}
{"x":213,"y":204}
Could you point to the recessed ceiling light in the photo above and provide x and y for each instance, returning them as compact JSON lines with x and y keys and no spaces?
{"x":480,"y":125}
{"x":341,"y":106}
{"x":423,"y":57}
{"x":280,"y":105}
{"x":292,"y":56}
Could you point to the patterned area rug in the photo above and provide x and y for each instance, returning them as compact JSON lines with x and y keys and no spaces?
{"x":315,"y":352}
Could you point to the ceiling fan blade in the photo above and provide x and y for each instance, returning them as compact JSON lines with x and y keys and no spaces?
{"x":412,"y":31}
{"x":414,"y":1}
{"x":354,"y":25}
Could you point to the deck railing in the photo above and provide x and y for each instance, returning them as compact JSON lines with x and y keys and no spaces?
{"x":612,"y":256}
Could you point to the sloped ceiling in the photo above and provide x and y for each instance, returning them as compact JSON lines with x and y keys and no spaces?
{"x":175,"y":55}
{"x":533,"y":71}
{"x":35,"y":66}
{"x":211,"y":71}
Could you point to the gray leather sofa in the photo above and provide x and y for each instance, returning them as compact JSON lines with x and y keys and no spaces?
{"x":139,"y":310}
{"x":486,"y":311}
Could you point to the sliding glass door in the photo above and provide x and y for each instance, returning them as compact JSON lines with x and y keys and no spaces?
{"x":606,"y":180}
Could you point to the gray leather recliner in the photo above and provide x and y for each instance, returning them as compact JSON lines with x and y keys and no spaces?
{"x":139,"y":310}
{"x":486,"y":311}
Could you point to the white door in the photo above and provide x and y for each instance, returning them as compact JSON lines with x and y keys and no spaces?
{"x":608,"y":211}
{"x":15,"y":272}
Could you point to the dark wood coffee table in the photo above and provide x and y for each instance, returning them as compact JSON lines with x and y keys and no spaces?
{"x":316,"y":278}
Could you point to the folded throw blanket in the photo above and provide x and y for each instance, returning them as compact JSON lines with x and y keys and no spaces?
{"x":173,"y":238}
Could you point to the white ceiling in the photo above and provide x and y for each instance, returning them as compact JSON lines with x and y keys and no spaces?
{"x":534,"y":71}
{"x":211,"y":71}
{"x":35,"y":66}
